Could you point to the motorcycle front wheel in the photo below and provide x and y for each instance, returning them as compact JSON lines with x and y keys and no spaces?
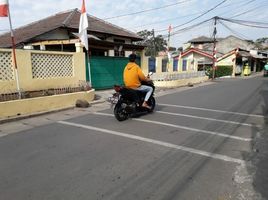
{"x":120,"y":112}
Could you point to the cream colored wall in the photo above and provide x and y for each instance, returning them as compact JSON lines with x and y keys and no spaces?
{"x":42,"y":104}
{"x":27,"y":83}
{"x":180,"y":82}
{"x":228,"y":61}
{"x":192,"y":63}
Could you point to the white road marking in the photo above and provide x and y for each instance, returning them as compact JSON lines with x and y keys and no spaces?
{"x":212,"y":110}
{"x":206,"y":118}
{"x":178,"y":147}
{"x":184,"y":127}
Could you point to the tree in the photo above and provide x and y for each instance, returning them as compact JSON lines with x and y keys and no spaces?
{"x":262,"y":43}
{"x":153,"y":44}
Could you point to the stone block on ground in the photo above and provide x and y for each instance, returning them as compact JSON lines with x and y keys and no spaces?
{"x":190,"y":84}
{"x":81,"y":103}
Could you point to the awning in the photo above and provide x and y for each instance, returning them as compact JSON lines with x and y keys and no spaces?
{"x":244,"y":54}
{"x":259,"y":56}
{"x":94,"y":43}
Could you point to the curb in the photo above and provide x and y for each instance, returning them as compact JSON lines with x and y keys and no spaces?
{"x":20,"y":117}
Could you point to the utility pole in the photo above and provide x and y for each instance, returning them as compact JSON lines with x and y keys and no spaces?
{"x":214,"y":48}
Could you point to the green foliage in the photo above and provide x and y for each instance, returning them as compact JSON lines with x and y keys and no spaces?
{"x":220,"y":71}
{"x":224,"y":71}
{"x":262,"y":43}
{"x":153,"y":44}
{"x":262,"y":40}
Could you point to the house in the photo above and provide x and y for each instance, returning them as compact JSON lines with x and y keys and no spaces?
{"x":231,"y":42}
{"x":109,"y":45}
{"x":231,"y":51}
{"x":238,"y":58}
{"x":59,"y":33}
{"x":201,"y":43}
{"x":223,"y":45}
{"x":194,"y":59}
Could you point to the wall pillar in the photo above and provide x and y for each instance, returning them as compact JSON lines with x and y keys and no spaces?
{"x":78,"y":47}
{"x":111,"y":53}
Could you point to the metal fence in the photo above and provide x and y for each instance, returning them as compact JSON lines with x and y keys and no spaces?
{"x":166,"y":76}
{"x":9,"y":95}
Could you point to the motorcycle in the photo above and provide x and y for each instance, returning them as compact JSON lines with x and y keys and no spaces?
{"x":128,"y":102}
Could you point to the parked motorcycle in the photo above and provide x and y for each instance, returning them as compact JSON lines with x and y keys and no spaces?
{"x":128,"y":102}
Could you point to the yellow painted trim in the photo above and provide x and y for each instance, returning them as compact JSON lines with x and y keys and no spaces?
{"x":42,"y":104}
{"x":55,"y":42}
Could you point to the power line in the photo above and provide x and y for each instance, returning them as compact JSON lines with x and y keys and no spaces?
{"x":246,"y":23}
{"x":148,"y":10}
{"x":230,"y":11}
{"x":246,"y":12}
{"x":239,"y":22}
{"x":189,"y":27}
{"x":184,"y":16}
{"x":169,"y":19}
{"x":196,"y":17}
{"x":233,"y":31}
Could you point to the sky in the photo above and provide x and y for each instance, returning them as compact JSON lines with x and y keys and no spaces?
{"x":154,"y":14}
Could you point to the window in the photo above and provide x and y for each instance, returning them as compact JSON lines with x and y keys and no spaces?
{"x":184,"y":65}
{"x":119,"y":53}
{"x":118,"y":48}
{"x":164,"y":65}
{"x":152,"y":65}
{"x":175,"y":65}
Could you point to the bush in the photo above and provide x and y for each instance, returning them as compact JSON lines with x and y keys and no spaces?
{"x":220,"y":71}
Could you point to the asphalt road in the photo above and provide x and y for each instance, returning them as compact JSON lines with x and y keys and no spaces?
{"x":207,"y":142}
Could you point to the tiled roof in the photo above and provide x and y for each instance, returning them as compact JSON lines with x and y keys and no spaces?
{"x":201,"y":39}
{"x":198,"y":51}
{"x":69,"y":20}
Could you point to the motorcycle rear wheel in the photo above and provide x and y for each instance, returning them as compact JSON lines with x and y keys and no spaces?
{"x":120,"y":113}
{"x":151,"y":103}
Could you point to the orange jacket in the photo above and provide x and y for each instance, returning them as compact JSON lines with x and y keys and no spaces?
{"x":133,"y":75}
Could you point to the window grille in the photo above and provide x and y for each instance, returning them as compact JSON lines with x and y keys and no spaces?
{"x":6,"y":68}
{"x":46,"y":66}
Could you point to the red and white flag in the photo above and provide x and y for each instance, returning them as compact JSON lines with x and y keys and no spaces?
{"x":3,"y":8}
{"x":169,"y":28}
{"x":83,"y":25}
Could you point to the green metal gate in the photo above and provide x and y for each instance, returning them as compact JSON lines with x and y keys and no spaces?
{"x":107,"y":71}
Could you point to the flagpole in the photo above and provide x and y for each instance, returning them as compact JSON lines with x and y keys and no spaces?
{"x":14,"y":53}
{"x":88,"y":67}
{"x":83,"y":25}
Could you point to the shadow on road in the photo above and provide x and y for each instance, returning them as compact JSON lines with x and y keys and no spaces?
{"x":260,"y":161}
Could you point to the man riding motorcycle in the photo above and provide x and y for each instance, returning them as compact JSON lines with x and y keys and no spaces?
{"x":133,"y":78}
